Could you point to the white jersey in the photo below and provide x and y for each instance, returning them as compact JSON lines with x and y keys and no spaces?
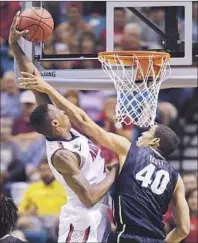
{"x":77,"y":222}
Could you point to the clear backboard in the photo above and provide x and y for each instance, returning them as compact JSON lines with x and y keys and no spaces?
{"x":71,"y":58}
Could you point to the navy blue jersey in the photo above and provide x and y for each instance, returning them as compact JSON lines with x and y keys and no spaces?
{"x":143,"y":192}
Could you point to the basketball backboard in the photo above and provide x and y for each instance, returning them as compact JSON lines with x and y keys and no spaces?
{"x":173,"y":33}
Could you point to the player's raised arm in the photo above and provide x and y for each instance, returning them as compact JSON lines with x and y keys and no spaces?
{"x":23,"y":62}
{"x":78,"y":117}
{"x":181,"y":215}
{"x":67,"y":163}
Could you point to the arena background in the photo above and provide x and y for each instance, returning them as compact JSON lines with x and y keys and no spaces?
{"x":23,"y":161}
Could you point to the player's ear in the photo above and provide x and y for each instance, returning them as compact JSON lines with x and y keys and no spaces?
{"x":155,"y":142}
{"x":55,"y":123}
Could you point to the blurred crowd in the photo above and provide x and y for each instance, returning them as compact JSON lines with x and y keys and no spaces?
{"x":80,"y":28}
{"x":25,"y":175}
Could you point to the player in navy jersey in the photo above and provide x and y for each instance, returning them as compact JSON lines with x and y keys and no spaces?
{"x":146,"y":183}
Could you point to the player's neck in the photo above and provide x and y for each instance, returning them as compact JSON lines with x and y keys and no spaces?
{"x":63,"y":135}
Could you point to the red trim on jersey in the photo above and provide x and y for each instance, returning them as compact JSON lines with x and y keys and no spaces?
{"x":60,"y":145}
{"x":86,"y":235}
{"x":71,"y":231}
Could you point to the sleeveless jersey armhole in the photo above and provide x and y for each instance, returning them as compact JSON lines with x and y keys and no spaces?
{"x":80,"y":159}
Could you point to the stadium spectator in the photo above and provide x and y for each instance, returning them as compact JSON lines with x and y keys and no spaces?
{"x":72,"y":96}
{"x":194,"y":24}
{"x":119,"y":23}
{"x":12,"y":168}
{"x":69,"y":32}
{"x":44,"y":197}
{"x":7,"y":59}
{"x":190,"y":181}
{"x":87,"y":45}
{"x":131,"y":38}
{"x":7,"y":12}
{"x":31,"y":161}
{"x":49,"y":49}
{"x":148,"y":35}
{"x":54,"y":8}
{"x":171,"y":96}
{"x":24,"y":135}
{"x":97,"y":98}
{"x":167,"y":113}
{"x":10,"y":97}
{"x":120,"y":20}
{"x":108,"y":122}
{"x":62,"y":48}
{"x":191,"y":198}
{"x":42,"y":201}
{"x":21,"y":124}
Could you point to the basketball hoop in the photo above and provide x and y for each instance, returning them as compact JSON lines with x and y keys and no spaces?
{"x":137,"y":76}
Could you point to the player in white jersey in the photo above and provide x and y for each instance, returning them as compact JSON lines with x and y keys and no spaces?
{"x":75,"y":161}
{"x":77,"y":222}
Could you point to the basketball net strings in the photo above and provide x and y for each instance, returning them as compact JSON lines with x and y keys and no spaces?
{"x":136,"y":102}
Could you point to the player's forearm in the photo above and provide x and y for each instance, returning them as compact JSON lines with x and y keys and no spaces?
{"x":25,"y":65}
{"x":100,"y":189}
{"x":176,"y":235}
{"x":23,"y":62}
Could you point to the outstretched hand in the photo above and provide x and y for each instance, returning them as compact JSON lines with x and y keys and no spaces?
{"x":14,"y":34}
{"x":35,"y":82}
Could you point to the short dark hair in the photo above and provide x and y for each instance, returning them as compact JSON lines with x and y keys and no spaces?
{"x":8,"y":215}
{"x":41,"y":121}
{"x":168,"y":139}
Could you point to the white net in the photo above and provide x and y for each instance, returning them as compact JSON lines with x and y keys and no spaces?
{"x":137,"y":88}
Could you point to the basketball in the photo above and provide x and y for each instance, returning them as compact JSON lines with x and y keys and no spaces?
{"x":39,"y":22}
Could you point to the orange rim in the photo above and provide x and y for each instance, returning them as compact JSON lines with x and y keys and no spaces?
{"x":127,"y":57}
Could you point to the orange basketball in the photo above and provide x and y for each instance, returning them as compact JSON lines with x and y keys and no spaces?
{"x":38,"y":21}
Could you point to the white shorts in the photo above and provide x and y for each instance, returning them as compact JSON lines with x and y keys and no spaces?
{"x":82,"y":225}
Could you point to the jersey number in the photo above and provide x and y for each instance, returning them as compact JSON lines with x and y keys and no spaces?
{"x":158,"y":184}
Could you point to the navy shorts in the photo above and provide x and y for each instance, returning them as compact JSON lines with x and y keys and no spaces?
{"x":126,"y":238}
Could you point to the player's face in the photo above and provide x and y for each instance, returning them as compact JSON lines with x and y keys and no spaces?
{"x":147,"y":138}
{"x":61,"y":120}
